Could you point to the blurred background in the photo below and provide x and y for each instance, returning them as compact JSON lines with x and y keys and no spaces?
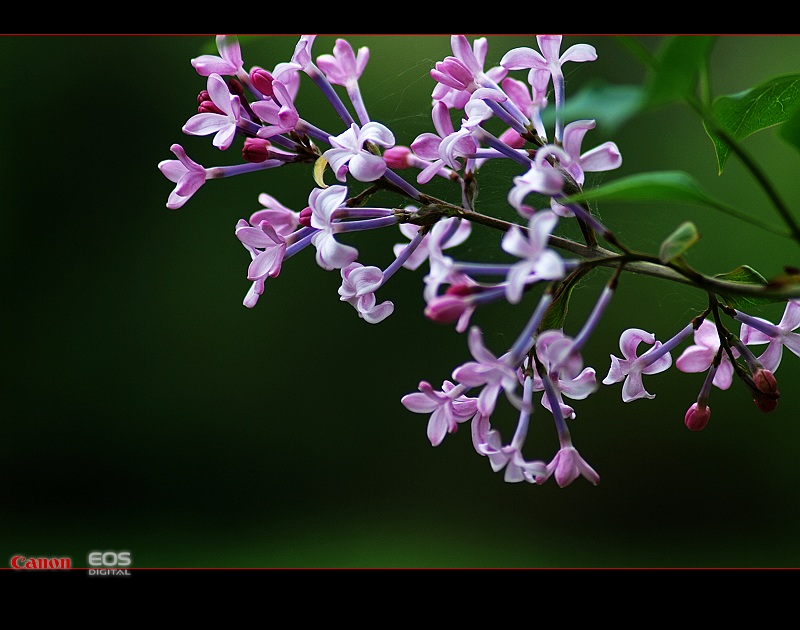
{"x":146,"y":409}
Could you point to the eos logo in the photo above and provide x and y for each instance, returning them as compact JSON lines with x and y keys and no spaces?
{"x":110,"y":560}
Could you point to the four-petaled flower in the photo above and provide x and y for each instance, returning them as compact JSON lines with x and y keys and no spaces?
{"x":458,"y":76}
{"x":330,"y":253}
{"x":229,"y":61}
{"x":343,"y":67}
{"x":550,"y":346}
{"x":421,"y":253}
{"x":780,"y":335}
{"x":538,"y":261}
{"x":283,"y":219}
{"x":509,"y":456}
{"x":448,"y":408}
{"x":224,"y":124}
{"x":540,"y":178}
{"x":359,"y":284}
{"x":567,"y":466}
{"x":492,"y":373}
{"x":631,"y":368}
{"x":278,"y":112}
{"x":445,"y":148}
{"x":186,"y":173}
{"x":348,"y":152}
{"x":700,"y":356}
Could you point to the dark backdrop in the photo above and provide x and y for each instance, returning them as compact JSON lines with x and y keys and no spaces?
{"x":146,"y":409}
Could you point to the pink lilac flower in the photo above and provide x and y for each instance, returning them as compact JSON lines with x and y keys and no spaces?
{"x":604,"y":157}
{"x":359,"y":284}
{"x":517,"y":468}
{"x":441,"y":267}
{"x":631,"y":368}
{"x":549,"y":61}
{"x":541,"y":178}
{"x":279,"y":112}
{"x":700,"y":356}
{"x":330,"y":253}
{"x":448,"y":407}
{"x":756,"y":330}
{"x":578,"y":387}
{"x":510,"y":456}
{"x":530,"y":99}
{"x":348,"y":154}
{"x":459,"y":75}
{"x":284,"y":220}
{"x":538,"y":261}
{"x":461,"y":233}
{"x":428,"y":146}
{"x":222,"y":125}
{"x":229,"y":61}
{"x":344,"y":68}
{"x":186,"y":173}
{"x":269,"y":246}
{"x":567,"y":466}
{"x":489,"y":372}
{"x":267,"y":250}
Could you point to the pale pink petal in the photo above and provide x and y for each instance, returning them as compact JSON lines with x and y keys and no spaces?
{"x":418,"y":403}
{"x":579,"y":52}
{"x":550,"y":45}
{"x":605,"y":157}
{"x":367,"y":167}
{"x":522,"y":58}
{"x":633,"y":389}
{"x":695,"y":359}
{"x":630,"y":339}
{"x":791,"y":316}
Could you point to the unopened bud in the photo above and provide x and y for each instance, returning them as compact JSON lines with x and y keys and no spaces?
{"x":463,"y":289}
{"x":305,"y":217}
{"x":397,"y":157}
{"x":262,"y":81}
{"x":697,"y":417}
{"x":446,"y":308}
{"x":256,"y":149}
{"x":205,"y":105}
{"x":235,"y":87}
{"x":512,"y":139}
{"x":767,"y":394}
{"x":766,"y":382}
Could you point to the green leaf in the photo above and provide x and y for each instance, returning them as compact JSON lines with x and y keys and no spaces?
{"x":677,"y":243}
{"x":679,"y":63}
{"x":790,"y":130}
{"x":744,"y":275}
{"x":745,"y":113}
{"x":608,"y":105}
{"x":665,"y":186}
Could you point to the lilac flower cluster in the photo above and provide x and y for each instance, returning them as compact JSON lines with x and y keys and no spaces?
{"x":478,"y":115}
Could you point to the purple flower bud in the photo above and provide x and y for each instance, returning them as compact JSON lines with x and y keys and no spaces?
{"x":205,"y":105}
{"x":235,"y":87}
{"x":262,"y":81}
{"x":766,"y":397}
{"x":305,"y":217}
{"x":512,"y":139}
{"x":256,"y":149}
{"x":697,"y":417}
{"x":447,"y":308}
{"x":766,"y":382}
{"x":397,"y":157}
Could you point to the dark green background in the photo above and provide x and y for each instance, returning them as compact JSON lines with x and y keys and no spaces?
{"x":145,"y":409}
